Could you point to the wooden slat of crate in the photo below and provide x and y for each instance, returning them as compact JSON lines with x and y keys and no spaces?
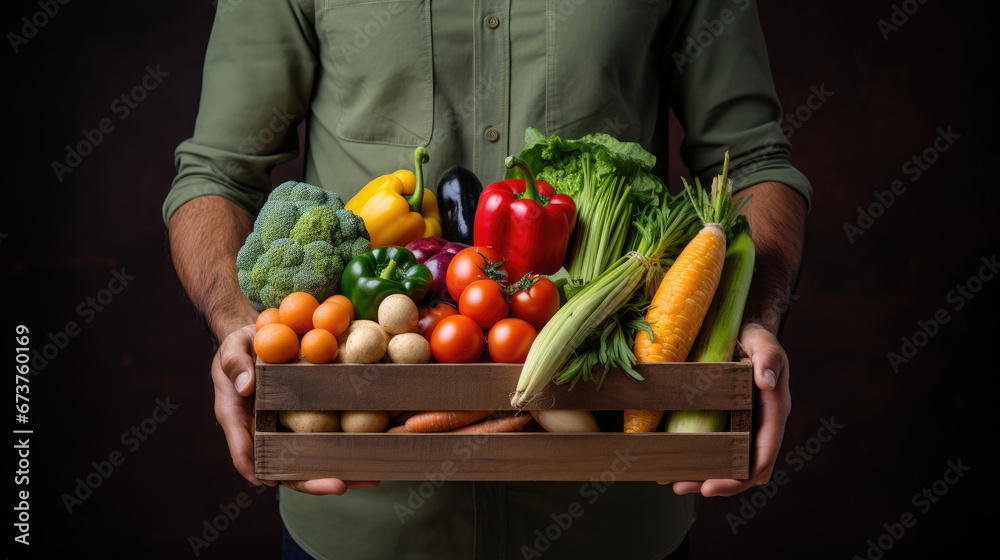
{"x":509,"y":456}
{"x":303,"y":386}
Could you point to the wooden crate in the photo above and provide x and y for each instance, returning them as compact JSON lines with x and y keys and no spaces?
{"x":506,"y":456}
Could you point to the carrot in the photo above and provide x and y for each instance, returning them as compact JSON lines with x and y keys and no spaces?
{"x":683,"y":297}
{"x":400,"y":429}
{"x":496,"y":425}
{"x":443,"y":421}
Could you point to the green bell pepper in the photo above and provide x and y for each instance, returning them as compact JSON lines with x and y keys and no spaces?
{"x":371,"y":277}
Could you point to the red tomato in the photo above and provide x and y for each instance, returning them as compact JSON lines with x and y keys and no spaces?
{"x":510,"y":340}
{"x":466,"y":267}
{"x":537,"y":304}
{"x":431,"y":316}
{"x":457,"y":339}
{"x":483,"y":301}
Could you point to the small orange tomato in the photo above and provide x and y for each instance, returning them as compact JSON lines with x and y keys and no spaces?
{"x":319,"y":346}
{"x":276,"y":343}
{"x":267,"y":317}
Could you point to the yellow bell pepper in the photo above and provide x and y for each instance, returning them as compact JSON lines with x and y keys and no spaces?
{"x":397,"y":208}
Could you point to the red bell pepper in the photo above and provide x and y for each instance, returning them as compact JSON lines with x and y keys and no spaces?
{"x":526,"y":222}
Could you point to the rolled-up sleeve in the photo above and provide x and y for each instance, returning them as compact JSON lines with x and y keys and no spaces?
{"x":723,"y":95}
{"x":258,"y":78}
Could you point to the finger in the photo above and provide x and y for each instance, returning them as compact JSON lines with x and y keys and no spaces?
{"x":236,"y":357}
{"x":770,"y":363}
{"x":686,"y":487}
{"x":327,"y":486}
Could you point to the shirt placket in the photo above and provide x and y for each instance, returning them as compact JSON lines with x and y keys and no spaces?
{"x":491,"y":88}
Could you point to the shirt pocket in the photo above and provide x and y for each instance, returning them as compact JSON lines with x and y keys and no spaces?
{"x":382,"y":69}
{"x":600,"y":71}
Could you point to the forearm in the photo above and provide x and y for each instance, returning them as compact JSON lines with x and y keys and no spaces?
{"x":777,"y":216}
{"x":206,"y":233}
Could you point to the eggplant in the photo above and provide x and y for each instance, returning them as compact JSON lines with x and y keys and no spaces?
{"x":458,"y":192}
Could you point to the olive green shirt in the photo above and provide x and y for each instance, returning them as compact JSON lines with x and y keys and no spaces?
{"x":375,"y":79}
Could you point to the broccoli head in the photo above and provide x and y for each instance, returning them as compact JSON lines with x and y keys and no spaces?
{"x":301,"y":242}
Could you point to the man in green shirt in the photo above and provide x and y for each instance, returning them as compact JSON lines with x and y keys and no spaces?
{"x":375,"y":79}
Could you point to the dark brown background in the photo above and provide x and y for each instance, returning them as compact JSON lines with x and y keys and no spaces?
{"x":854,"y":303}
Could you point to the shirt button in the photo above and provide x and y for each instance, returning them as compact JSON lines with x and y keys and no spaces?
{"x":492,"y":21}
{"x":492,"y":134}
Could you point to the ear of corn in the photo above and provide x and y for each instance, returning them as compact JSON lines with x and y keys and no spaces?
{"x":682,"y":299}
{"x":716,"y":341}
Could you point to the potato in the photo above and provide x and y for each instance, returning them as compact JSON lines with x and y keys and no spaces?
{"x":365,"y":344}
{"x":361,"y":324}
{"x":409,"y":348}
{"x":364,"y":421}
{"x":398,"y":314}
{"x":310,"y":421}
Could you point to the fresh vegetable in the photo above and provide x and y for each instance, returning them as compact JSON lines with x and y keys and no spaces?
{"x":267,"y":317}
{"x":435,"y":421}
{"x":537,"y":304}
{"x":561,"y":164}
{"x":431,"y":316}
{"x":363,"y":324}
{"x":309,"y":421}
{"x":657,"y":231}
{"x":301,"y":240}
{"x":566,"y":421}
{"x":319,"y":346}
{"x":684,"y":295}
{"x":397,"y":208}
{"x":510,"y":340}
{"x":366,"y":343}
{"x":436,"y":254}
{"x":471,"y":264}
{"x":373,"y":276}
{"x":398,"y":314}
{"x":296,"y":311}
{"x":331,"y":316}
{"x":457,"y":339}
{"x":363,"y":421}
{"x":495,"y":425}
{"x":344,"y":301}
{"x":607,"y":180}
{"x":526,"y":222}
{"x":458,"y":196}
{"x":716,"y":341}
{"x":483,"y":301}
{"x":276,"y":343}
{"x":409,"y":348}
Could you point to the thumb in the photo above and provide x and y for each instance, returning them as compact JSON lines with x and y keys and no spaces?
{"x":770,"y":363}
{"x":236,"y":356}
